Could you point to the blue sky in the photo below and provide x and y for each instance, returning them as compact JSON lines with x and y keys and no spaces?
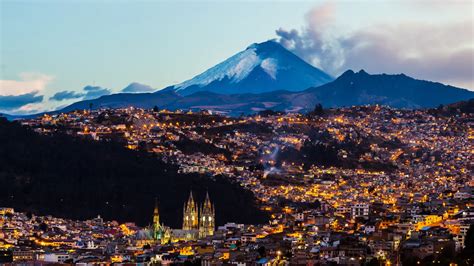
{"x":50,"y":47}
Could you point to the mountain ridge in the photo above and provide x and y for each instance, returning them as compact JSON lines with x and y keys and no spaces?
{"x":395,"y":90}
{"x":263,"y":76}
{"x":350,"y":88}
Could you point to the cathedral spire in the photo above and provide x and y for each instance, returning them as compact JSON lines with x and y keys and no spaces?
{"x":190,"y":214}
{"x":207,"y":197}
{"x":157,"y":228}
{"x":191,"y":199}
{"x":206,"y":219}
{"x":156,"y":214}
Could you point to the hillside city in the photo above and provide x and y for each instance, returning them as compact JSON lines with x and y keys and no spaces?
{"x":365,"y":185}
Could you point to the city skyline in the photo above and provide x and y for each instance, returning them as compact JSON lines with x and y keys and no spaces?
{"x":361,"y":185}
{"x":237,"y":132}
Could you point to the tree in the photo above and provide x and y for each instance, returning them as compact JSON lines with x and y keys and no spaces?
{"x":156,"y":109}
{"x":318,"y":109}
{"x":90,"y":106}
{"x":374,"y":262}
{"x":261,"y":251}
{"x":43,"y":226}
{"x":466,"y":257}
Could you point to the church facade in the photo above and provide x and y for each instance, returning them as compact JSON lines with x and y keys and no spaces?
{"x":198,"y":222}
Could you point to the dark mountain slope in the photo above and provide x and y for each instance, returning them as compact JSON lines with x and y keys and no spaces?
{"x":77,"y":178}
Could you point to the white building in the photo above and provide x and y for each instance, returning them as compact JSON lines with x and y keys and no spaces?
{"x":56,"y":257}
{"x":461,"y":236}
{"x":360,"y":210}
{"x":462,"y":195}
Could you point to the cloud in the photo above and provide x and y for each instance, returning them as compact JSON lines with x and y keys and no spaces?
{"x":89,"y":92}
{"x":314,"y":43}
{"x":92,"y":92}
{"x":31,"y":108}
{"x":429,"y":52}
{"x":66,"y":95}
{"x":29,"y":82}
{"x":137,"y":87}
{"x":439,"y":52}
{"x":11,"y":102}
{"x":22,"y":96}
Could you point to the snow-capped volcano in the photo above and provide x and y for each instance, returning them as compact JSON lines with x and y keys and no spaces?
{"x":262,"y":67}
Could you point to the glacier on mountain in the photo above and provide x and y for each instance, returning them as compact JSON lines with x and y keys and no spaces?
{"x":236,"y":68}
{"x":270,"y":65}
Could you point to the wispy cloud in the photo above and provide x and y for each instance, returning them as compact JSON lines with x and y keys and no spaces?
{"x":25,"y":95}
{"x":27,"y":83}
{"x":436,"y":52}
{"x":66,"y":95}
{"x":314,"y":43}
{"x":89,"y":92}
{"x":92,"y":92}
{"x":12,"y":102}
{"x":32,"y":108}
{"x":439,"y":52}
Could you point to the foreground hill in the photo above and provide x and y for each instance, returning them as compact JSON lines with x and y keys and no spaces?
{"x":77,"y":178}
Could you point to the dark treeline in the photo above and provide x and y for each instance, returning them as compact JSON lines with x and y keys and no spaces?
{"x":79,"y":179}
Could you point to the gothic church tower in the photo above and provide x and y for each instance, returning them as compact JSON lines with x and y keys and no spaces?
{"x":190,"y":214}
{"x":157,"y":228}
{"x":206,"y":221}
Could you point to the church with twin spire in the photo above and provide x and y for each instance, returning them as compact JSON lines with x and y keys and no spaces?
{"x":199,"y":219}
{"x":198,"y":222}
